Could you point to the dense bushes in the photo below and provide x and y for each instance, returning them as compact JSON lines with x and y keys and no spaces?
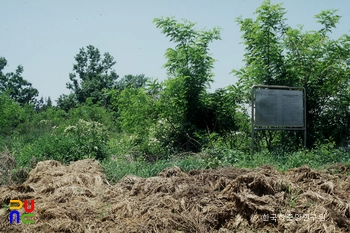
{"x":136,"y":121}
{"x":85,"y":139}
{"x":64,"y":136}
{"x":12,"y":114}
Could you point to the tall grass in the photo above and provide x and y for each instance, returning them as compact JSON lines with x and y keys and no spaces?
{"x":120,"y":153}
{"x":116,"y":168}
{"x":317,"y":158}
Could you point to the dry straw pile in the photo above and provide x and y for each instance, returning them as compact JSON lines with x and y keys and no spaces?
{"x":77,"y":198}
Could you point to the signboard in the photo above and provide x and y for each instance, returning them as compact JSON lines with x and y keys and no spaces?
{"x":279,"y":108}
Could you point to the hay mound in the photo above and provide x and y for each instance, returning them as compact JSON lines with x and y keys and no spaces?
{"x":76,"y":198}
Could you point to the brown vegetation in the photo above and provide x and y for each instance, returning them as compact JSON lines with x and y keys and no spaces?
{"x":78,"y":198}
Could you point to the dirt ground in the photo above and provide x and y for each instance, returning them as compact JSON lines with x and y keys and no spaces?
{"x":78,"y":198}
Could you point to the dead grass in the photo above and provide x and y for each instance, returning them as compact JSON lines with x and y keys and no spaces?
{"x":8,"y":174}
{"x":77,"y":198}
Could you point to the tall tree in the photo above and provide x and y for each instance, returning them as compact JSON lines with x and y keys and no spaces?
{"x":12,"y":114}
{"x":189,"y":67}
{"x":321,"y":65}
{"x":92,"y":74}
{"x":43,"y":105}
{"x":16,"y":86}
{"x":277,"y":54}
{"x":263,"y":40}
{"x":66,"y":102}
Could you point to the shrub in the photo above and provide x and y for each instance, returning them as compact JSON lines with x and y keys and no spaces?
{"x":89,"y":139}
{"x":85,"y":139}
{"x":12,"y":114}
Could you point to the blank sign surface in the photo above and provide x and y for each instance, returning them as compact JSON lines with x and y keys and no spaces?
{"x":279,"y":108}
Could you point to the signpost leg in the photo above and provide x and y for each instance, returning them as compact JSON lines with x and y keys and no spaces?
{"x":252,"y":142}
{"x":252,"y":116}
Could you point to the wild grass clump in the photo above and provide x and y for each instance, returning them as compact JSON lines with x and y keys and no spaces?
{"x":323,"y":155}
{"x":117,"y":168}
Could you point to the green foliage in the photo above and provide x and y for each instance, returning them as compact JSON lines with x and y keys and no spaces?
{"x":135,"y":111}
{"x":320,"y":64}
{"x":172,"y":120}
{"x":43,"y":148}
{"x":322,"y":156}
{"x":122,"y":145}
{"x":89,"y":139}
{"x":115,"y":169}
{"x":263,"y":38}
{"x":277,"y":54}
{"x":43,"y":105}
{"x":227,"y":121}
{"x":328,"y":19}
{"x":12,"y":114}
{"x":189,"y":67}
{"x":38,"y":124}
{"x":140,"y":126}
{"x":85,"y":139}
{"x":16,"y":86}
{"x":221,"y":111}
{"x":137,"y":116}
{"x":66,"y":102}
{"x":318,"y":158}
{"x":92,"y":112}
{"x":219,"y":157}
{"x":132,"y":81}
{"x":92,"y":74}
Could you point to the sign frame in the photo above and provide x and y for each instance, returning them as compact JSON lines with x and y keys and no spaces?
{"x":279,"y":108}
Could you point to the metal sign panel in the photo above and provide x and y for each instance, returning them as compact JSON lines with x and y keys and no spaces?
{"x":279,"y":108}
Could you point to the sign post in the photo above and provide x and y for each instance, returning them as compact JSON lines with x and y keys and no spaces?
{"x":278,"y":108}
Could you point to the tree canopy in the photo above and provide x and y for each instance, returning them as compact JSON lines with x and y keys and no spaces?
{"x":189,"y":67}
{"x":92,"y":73}
{"x":277,"y":54}
{"x":14,"y":85}
{"x":180,"y":114}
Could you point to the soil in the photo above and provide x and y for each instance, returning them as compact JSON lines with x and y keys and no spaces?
{"x":78,"y":198}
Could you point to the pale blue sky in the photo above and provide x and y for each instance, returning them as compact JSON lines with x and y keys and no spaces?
{"x":45,"y":35}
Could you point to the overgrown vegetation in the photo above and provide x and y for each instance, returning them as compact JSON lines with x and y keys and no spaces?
{"x":137,"y":125}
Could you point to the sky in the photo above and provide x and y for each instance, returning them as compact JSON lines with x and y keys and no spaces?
{"x":44,"y":36}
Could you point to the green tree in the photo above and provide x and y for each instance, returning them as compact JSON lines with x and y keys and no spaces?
{"x":132,"y":81}
{"x":277,"y":54}
{"x":16,"y":86}
{"x":67,"y":102}
{"x":135,"y":111}
{"x":321,"y":65}
{"x":12,"y":114}
{"x":222,"y":107}
{"x":263,"y":40}
{"x":43,"y":105}
{"x":127,"y":82}
{"x":189,"y":67}
{"x":138,"y":114}
{"x":91,"y":75}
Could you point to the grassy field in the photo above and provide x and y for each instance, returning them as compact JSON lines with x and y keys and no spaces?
{"x":321,"y":158}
